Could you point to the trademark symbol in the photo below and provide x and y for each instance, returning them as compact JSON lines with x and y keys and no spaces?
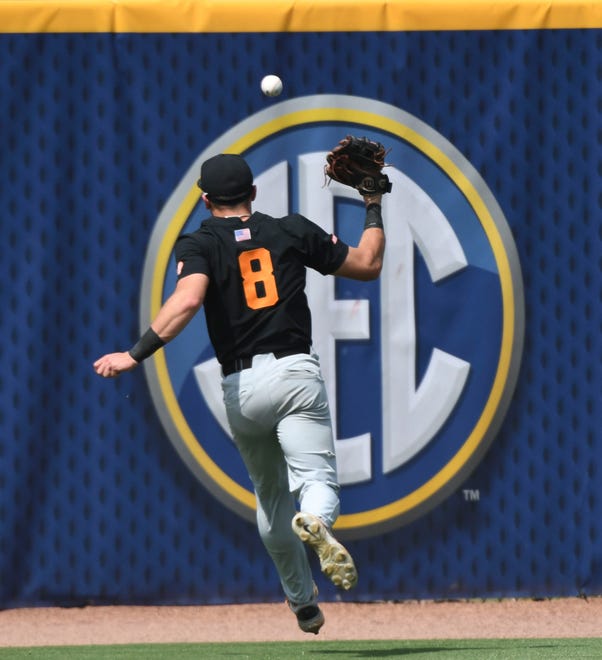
{"x":471,"y":495}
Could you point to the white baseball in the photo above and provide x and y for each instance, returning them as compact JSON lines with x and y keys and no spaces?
{"x":271,"y":85}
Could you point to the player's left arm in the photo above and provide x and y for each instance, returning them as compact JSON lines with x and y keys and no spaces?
{"x":181,"y":306}
{"x":172,"y":318}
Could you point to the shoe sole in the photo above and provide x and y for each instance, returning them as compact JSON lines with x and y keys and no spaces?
{"x":335,"y":562}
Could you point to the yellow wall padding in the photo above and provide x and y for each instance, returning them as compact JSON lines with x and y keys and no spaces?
{"x":39,"y":16}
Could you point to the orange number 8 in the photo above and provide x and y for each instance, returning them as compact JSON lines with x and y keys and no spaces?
{"x":258,"y":279}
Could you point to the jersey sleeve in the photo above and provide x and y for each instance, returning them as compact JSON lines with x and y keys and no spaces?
{"x":324,"y":252}
{"x":191,"y":252}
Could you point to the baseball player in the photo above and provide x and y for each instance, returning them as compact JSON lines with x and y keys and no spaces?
{"x":248,"y":270}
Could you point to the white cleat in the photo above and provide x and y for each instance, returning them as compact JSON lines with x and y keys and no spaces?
{"x":336,"y":563}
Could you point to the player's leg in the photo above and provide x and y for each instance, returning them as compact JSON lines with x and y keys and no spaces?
{"x":275,"y":507}
{"x":251,"y":422}
{"x":306,"y":439}
{"x":305,"y":434}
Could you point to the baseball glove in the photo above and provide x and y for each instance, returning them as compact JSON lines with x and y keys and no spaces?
{"x":358,"y":162}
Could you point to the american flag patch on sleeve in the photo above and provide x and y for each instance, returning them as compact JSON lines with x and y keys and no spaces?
{"x":242,"y":234}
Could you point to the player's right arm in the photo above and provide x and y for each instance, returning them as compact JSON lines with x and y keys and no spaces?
{"x":172,"y":318}
{"x":365,"y":261}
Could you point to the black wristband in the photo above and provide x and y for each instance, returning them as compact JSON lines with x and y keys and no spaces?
{"x":373,"y":216}
{"x":146,"y":345}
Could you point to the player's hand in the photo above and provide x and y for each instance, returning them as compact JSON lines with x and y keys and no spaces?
{"x":113,"y":364}
{"x":372,"y":198}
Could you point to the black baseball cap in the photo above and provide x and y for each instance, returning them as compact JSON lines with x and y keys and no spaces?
{"x":226,"y":177}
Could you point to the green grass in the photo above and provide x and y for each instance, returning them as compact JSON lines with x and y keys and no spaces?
{"x":466,"y":649}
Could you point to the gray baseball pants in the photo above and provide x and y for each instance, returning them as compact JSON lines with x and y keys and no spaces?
{"x":280,"y":421}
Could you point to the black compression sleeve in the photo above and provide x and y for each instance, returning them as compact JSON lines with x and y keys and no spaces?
{"x":146,"y":345}
{"x":373,"y":216}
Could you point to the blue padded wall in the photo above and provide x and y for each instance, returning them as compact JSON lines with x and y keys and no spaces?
{"x":98,"y":129}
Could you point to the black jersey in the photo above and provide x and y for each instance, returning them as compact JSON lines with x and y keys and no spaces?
{"x":256,"y":299}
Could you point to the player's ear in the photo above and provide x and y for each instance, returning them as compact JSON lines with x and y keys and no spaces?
{"x":254,"y":193}
{"x":206,"y":200}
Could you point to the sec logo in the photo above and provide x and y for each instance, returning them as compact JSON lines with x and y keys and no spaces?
{"x":420,"y":365}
